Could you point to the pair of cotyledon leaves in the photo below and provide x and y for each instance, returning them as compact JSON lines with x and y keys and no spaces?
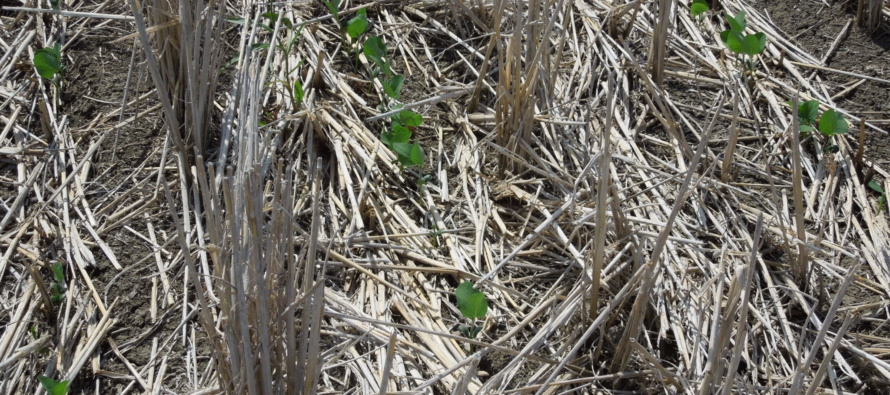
{"x":829,"y":124}
{"x":398,"y":138}
{"x":48,"y":61}
{"x":737,"y":41}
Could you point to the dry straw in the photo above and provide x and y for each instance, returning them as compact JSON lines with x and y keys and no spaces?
{"x":641,"y":218}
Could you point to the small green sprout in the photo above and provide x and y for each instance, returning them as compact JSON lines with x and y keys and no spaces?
{"x":236,"y":20}
{"x":393,"y":86}
{"x":698,"y":8}
{"x":831,"y":122}
{"x":298,"y":93}
{"x":48,"y":62}
{"x":740,"y":43}
{"x":358,"y":25}
{"x":398,"y":138}
{"x":53,"y":387}
{"x":409,"y":119}
{"x":334,"y":9}
{"x":375,"y":51}
{"x":473,"y":305}
{"x":293,"y":88}
{"x":58,"y":284}
{"x":273,"y":19}
{"x":807,"y":114}
{"x":882,"y":200}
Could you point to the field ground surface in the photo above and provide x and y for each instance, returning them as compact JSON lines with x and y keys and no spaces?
{"x":209,"y":197}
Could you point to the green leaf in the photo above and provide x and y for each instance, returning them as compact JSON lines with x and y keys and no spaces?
{"x":737,"y":22}
{"x":48,"y":62}
{"x":875,"y":186}
{"x":393,"y":87}
{"x":358,"y":24}
{"x":407,"y":118}
{"x":471,"y":302}
{"x":806,"y":128}
{"x":375,"y":51}
{"x":298,"y":92}
{"x":732,"y":39}
{"x":403,"y":152}
{"x":53,"y":387}
{"x":401,"y":134}
{"x":807,"y":113}
{"x":58,"y":273}
{"x":416,"y":155}
{"x":273,"y":19}
{"x":753,"y":44}
{"x":398,"y":134}
{"x":470,"y":332}
{"x":237,"y":21}
{"x":54,"y":4}
{"x":832,"y":123}
{"x":256,"y":46}
{"x":333,"y":8}
{"x":698,"y":7}
{"x":271,"y":16}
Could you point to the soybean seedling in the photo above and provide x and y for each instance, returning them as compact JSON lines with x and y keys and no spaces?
{"x":882,"y":200}
{"x":58,"y":285}
{"x":473,"y":305}
{"x":355,"y":28}
{"x":48,"y":62}
{"x":745,"y":46}
{"x":375,"y":51}
{"x":831,"y":123}
{"x":53,"y":387}
{"x":358,"y":25}
{"x":698,"y":8}
{"x":398,"y":138}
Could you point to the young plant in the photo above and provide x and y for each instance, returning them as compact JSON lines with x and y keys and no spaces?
{"x":334,"y":8}
{"x":473,"y":305}
{"x":48,"y":62}
{"x":375,"y":51}
{"x":58,"y":284}
{"x":53,"y":387}
{"x":293,"y":87}
{"x":745,"y":46}
{"x":882,"y":199}
{"x":698,"y":8}
{"x":398,"y":138}
{"x":358,"y":25}
{"x":831,"y":122}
